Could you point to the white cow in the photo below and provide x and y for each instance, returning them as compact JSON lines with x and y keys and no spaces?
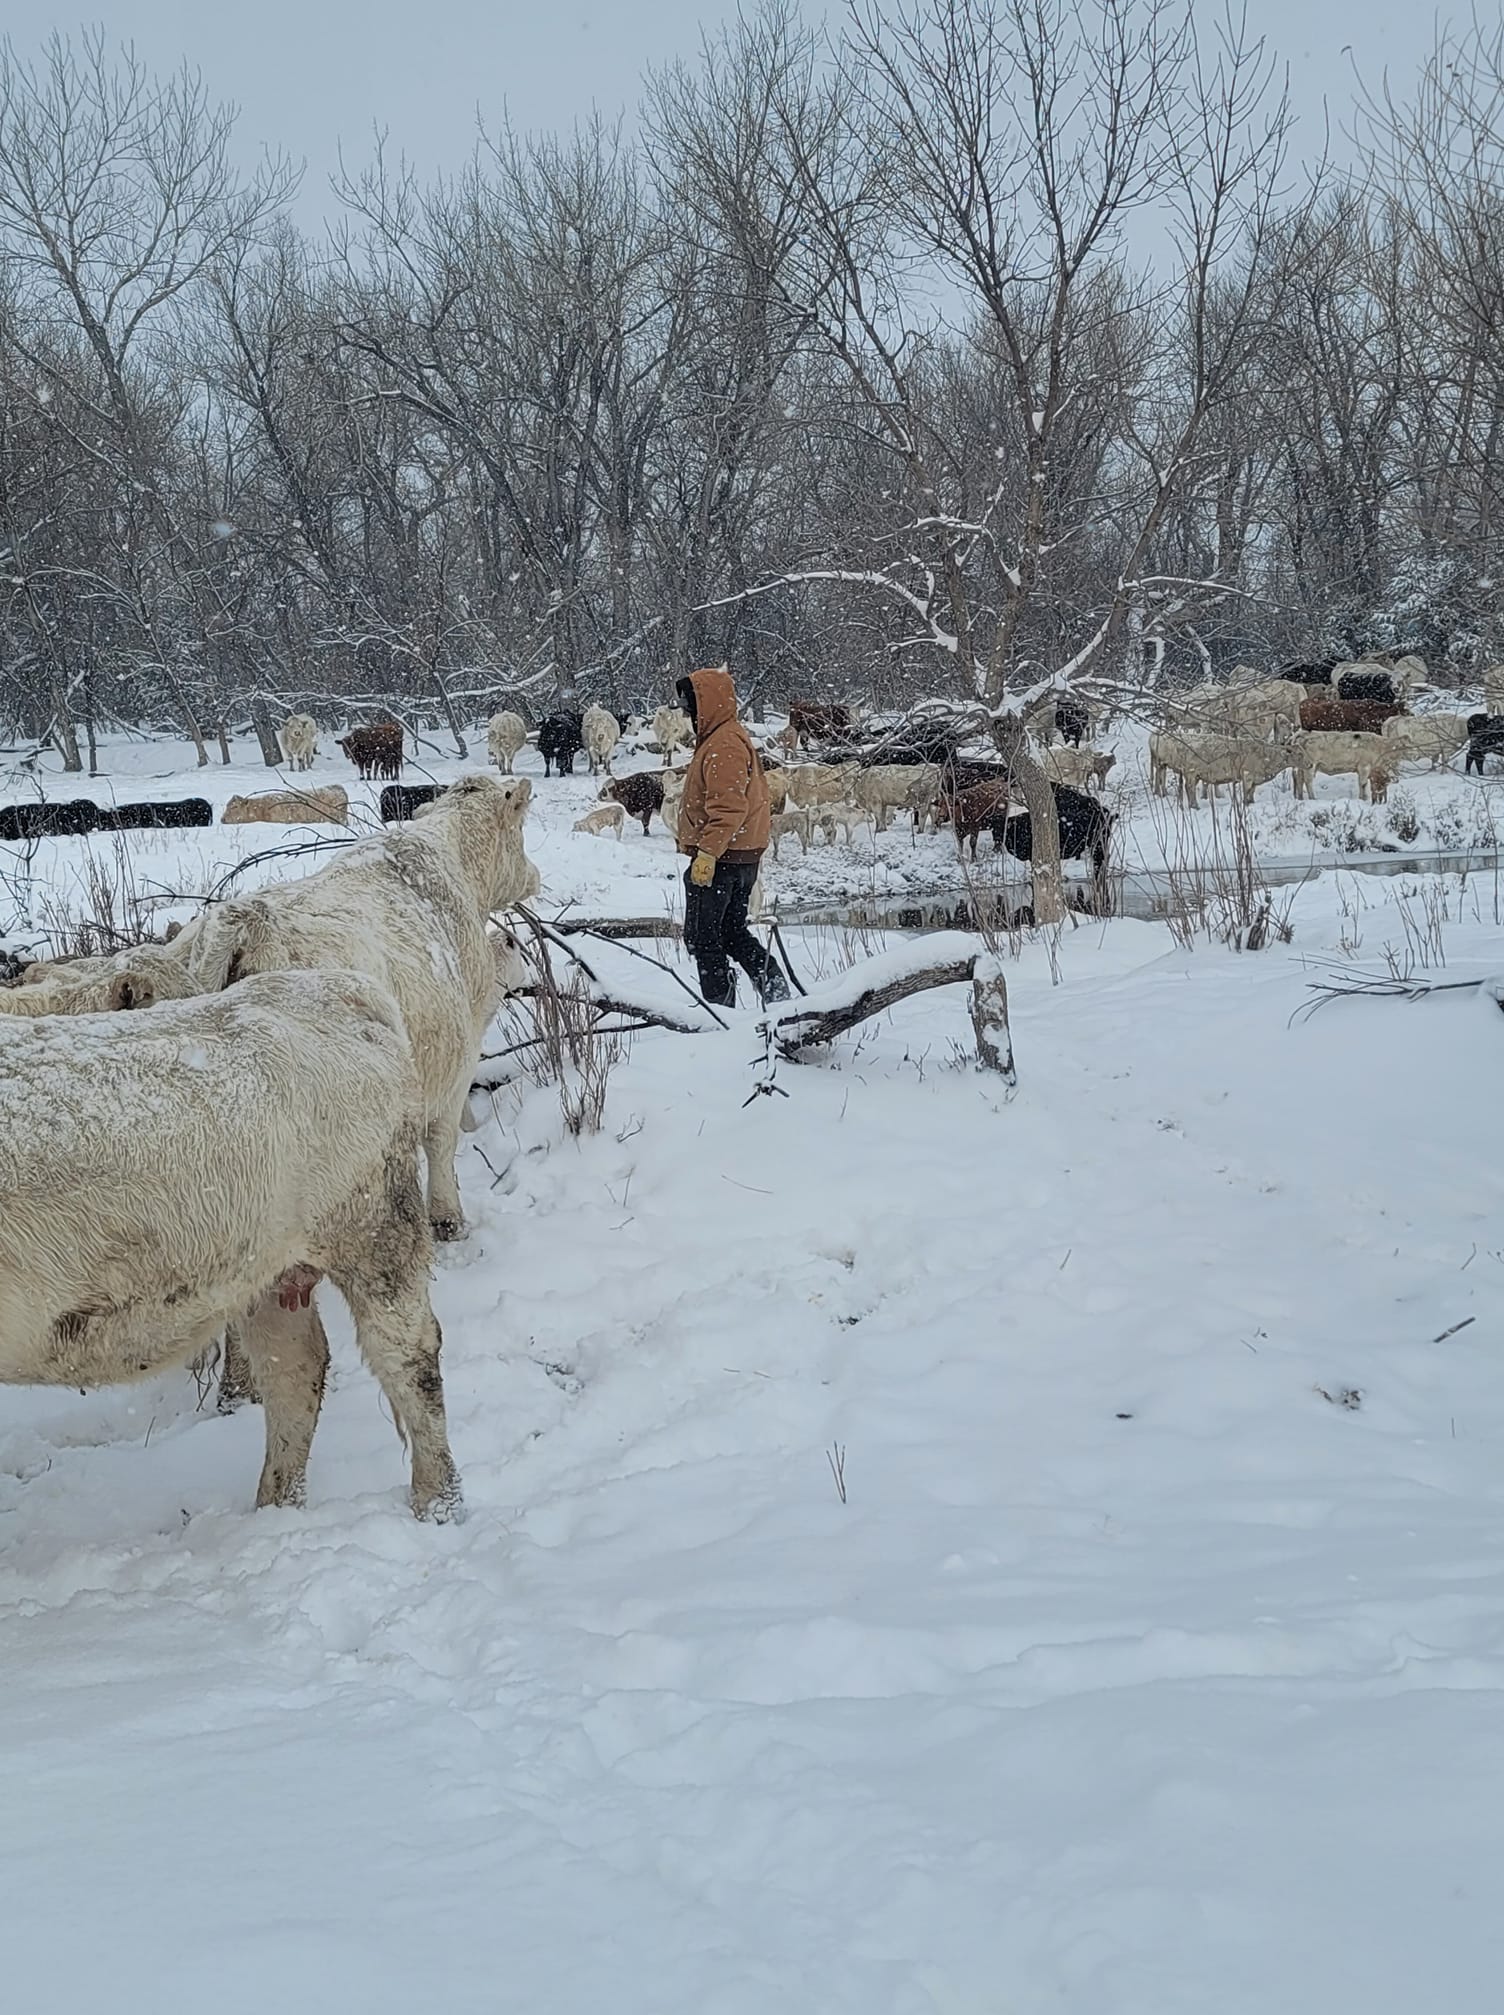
{"x":506,"y":736}
{"x":409,"y":909}
{"x":671,"y":731}
{"x":299,"y":736}
{"x":164,"y":1175}
{"x":602,"y":732}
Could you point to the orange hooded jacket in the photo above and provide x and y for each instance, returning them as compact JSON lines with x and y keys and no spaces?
{"x":725,"y":807}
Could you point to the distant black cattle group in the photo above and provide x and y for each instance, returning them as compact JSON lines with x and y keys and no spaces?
{"x":73,"y":817}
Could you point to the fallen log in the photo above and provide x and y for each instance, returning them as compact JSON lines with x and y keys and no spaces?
{"x":810,"y":1026}
{"x":617,"y":928}
{"x":877,"y":984}
{"x":946,"y":958}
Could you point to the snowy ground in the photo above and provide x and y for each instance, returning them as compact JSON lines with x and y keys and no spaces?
{"x":1137,"y":1674}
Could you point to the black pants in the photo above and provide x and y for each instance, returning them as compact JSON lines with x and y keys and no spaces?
{"x":715,"y":931}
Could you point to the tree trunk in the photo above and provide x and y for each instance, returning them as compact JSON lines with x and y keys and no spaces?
{"x":449,"y":714}
{"x":189,"y":719}
{"x":1035,"y":790}
{"x":66,"y":734}
{"x":266,"y":733}
{"x":224,"y":744}
{"x":989,"y":1018}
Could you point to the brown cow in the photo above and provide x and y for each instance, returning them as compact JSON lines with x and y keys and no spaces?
{"x":982,"y":808}
{"x":640,"y":794}
{"x":1346,"y":717}
{"x":375,"y":751}
{"x":810,"y":721}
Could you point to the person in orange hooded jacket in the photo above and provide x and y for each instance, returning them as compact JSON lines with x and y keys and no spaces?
{"x":723,"y":825}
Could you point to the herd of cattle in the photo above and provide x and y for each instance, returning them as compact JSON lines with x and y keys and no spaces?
{"x":296,"y":1062}
{"x":1317,"y":720}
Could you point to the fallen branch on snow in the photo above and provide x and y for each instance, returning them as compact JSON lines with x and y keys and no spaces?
{"x":1385,"y":986}
{"x":874,"y":985}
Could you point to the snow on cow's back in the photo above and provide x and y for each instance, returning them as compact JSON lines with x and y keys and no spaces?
{"x":67,"y":1080}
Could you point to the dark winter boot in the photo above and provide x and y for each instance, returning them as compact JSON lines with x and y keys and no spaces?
{"x":717,"y":982}
{"x":774,"y":986}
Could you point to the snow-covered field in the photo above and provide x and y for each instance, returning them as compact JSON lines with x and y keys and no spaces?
{"x":1151,"y":1665}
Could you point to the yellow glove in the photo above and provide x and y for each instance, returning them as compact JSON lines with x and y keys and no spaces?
{"x":702,"y":869}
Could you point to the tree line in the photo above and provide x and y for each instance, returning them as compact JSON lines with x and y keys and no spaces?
{"x":968,"y":345}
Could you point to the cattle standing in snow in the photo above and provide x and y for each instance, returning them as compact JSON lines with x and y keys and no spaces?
{"x":1080,"y":768}
{"x":1072,"y":720}
{"x":1366,"y":685}
{"x":299,"y":736}
{"x":672,"y":731}
{"x":375,"y":751}
{"x":640,"y":795}
{"x":1205,"y":762}
{"x":885,"y":788}
{"x":1371,"y":758}
{"x":1347,"y":717}
{"x":409,"y":910}
{"x":1085,"y":831}
{"x":820,"y":784}
{"x":506,"y":737}
{"x":1485,"y":737}
{"x":810,"y":721}
{"x":601,"y":732}
{"x":604,"y":819}
{"x":401,"y":801}
{"x":560,"y":739}
{"x":1426,"y":737}
{"x":165,"y":1175}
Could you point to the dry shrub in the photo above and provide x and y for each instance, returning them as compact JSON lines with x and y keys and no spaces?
{"x":569,"y":1047}
{"x":109,"y":913}
{"x":1221,"y":892}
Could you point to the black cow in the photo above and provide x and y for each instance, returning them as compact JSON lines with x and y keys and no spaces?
{"x":910,"y":746}
{"x":1085,"y":829}
{"x":37,"y":820}
{"x":400,"y":801}
{"x":1072,"y":720}
{"x":962,"y":773}
{"x":152,"y":815}
{"x":1317,"y":673}
{"x":560,"y":739}
{"x":1366,"y":686}
{"x":1485,"y":737}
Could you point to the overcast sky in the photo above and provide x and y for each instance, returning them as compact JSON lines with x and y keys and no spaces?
{"x":311,"y":75}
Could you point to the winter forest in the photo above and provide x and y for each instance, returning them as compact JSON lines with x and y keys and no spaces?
{"x":967,"y":342}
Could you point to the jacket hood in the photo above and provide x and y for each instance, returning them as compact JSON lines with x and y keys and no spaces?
{"x":715,"y":700}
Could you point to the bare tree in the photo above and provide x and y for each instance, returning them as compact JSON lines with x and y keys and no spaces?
{"x":116,"y":196}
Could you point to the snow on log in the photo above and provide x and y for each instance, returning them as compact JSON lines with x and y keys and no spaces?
{"x":618,"y":927}
{"x":945,"y":958}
